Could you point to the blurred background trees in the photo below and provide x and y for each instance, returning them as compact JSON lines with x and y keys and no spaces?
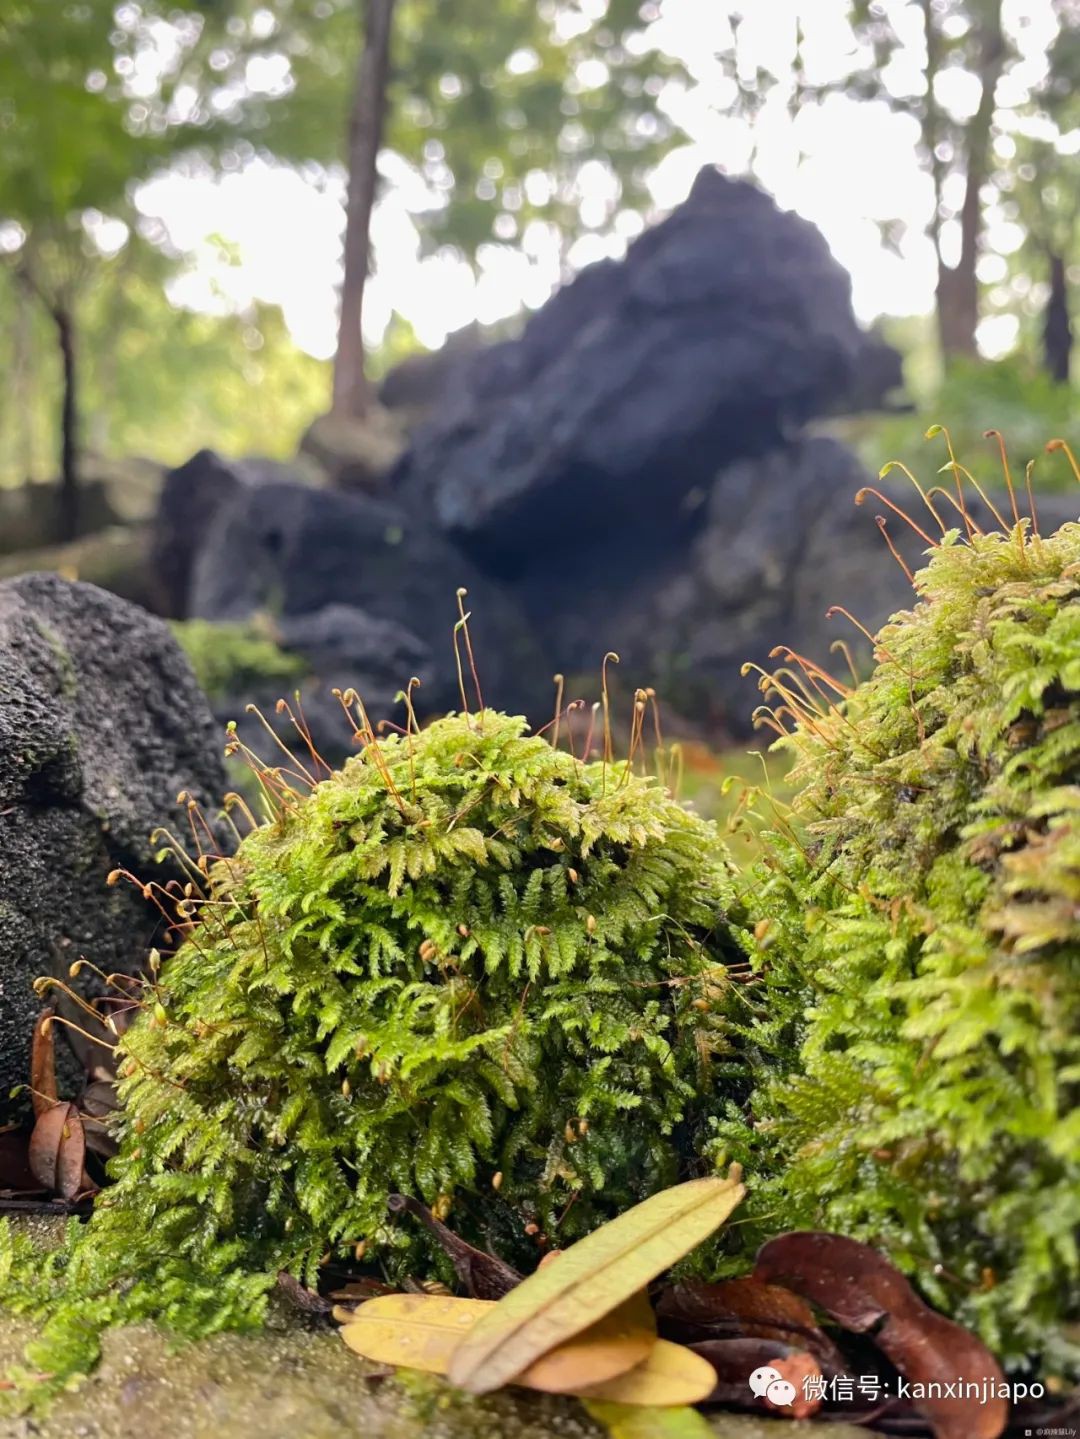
{"x":497,"y":134}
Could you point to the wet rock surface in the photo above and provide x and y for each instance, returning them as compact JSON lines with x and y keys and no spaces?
{"x":101,"y":725}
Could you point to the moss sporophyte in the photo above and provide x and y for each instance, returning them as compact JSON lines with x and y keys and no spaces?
{"x":529,"y":989}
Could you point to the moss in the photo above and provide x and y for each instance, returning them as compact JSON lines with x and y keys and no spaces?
{"x":920,"y":940}
{"x":467,"y":967}
{"x":236,"y":660}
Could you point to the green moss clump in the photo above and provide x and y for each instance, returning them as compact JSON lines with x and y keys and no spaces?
{"x":465,"y":954}
{"x":233,"y":661}
{"x":922,"y":946}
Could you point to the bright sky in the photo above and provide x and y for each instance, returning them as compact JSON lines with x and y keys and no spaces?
{"x":845,"y":164}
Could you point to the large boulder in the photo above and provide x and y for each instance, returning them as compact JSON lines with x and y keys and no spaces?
{"x":193,"y":495}
{"x":725,"y":328}
{"x":767,"y":550}
{"x":101,"y":725}
{"x":385,"y":579}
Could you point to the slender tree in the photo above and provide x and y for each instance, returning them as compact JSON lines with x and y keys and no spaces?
{"x":367,"y":124}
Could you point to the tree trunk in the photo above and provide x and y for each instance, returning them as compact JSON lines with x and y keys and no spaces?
{"x":69,"y":452}
{"x":22,"y":338}
{"x":958,"y":287}
{"x":1057,"y":325}
{"x":352,"y":391}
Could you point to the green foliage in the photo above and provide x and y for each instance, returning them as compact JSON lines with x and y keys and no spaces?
{"x":236,"y":660}
{"x":1010,"y":395}
{"x":496,"y":105}
{"x":464,"y":955}
{"x":922,"y":944}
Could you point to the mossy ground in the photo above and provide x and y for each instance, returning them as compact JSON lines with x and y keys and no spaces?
{"x":920,"y":944}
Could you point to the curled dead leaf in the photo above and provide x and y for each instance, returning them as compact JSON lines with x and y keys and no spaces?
{"x":58,"y":1151}
{"x":734,"y":1360}
{"x":43,"y":1091}
{"x":748,"y":1309}
{"x":15,"y":1173}
{"x":861,"y":1290}
{"x":485,"y":1276}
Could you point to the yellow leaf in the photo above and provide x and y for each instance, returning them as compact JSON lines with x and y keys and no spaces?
{"x":416,"y":1331}
{"x":672,"y":1375}
{"x":615,"y":1345}
{"x":421,"y":1331}
{"x":591,"y":1278}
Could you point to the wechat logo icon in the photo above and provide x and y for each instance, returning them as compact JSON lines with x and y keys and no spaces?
{"x":768,"y":1383}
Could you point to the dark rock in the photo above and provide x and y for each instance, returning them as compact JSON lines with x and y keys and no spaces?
{"x":341,"y":647}
{"x":774,"y":543}
{"x":192,"y":497}
{"x":416,"y":388}
{"x":726,"y":327}
{"x":101,"y":725}
{"x":293,"y":552}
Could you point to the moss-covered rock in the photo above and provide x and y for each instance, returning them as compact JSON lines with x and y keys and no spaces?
{"x":921,"y":942}
{"x":236,"y":661}
{"x":467,"y":967}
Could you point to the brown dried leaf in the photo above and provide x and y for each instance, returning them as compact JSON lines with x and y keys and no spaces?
{"x":861,"y":1290}
{"x":744,"y":1308}
{"x":734,"y":1360}
{"x":485,"y":1276}
{"x":670,"y":1375}
{"x":358,"y":1291}
{"x":15,"y":1172}
{"x":43,"y":1091}
{"x":58,"y":1151}
{"x":592,"y":1277}
{"x":302,"y":1298}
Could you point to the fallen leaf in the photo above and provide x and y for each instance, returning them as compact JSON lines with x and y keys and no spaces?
{"x":414,"y":1331}
{"x":15,"y":1172}
{"x":422,"y":1331}
{"x":43,"y":1091}
{"x":485,"y":1276}
{"x":796,"y":1369}
{"x":626,"y":1421}
{"x":591,"y":1278}
{"x":671,"y":1376}
{"x":99,"y":1098}
{"x":359,"y":1291}
{"x":744,"y":1308}
{"x":58,"y":1150}
{"x":861,"y":1290}
{"x":301,"y":1297}
{"x":615,"y":1345}
{"x":734,"y":1360}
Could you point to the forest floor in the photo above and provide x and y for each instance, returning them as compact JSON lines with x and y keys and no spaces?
{"x":296,"y":1380}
